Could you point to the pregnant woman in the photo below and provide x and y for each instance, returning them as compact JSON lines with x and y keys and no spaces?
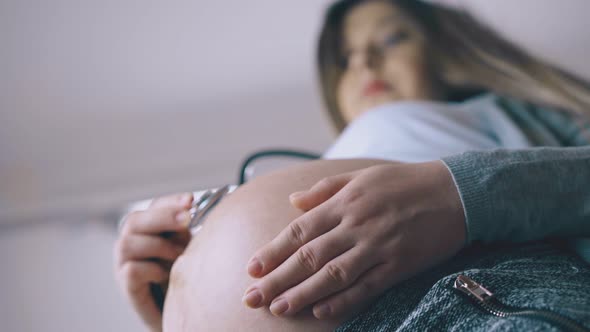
{"x":450,"y":137}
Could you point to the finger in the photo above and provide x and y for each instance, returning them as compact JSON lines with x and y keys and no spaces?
{"x":137,"y":277}
{"x":306,"y":261}
{"x":336,"y":275}
{"x":182,"y":199}
{"x":180,"y":238}
{"x":357,"y":297}
{"x":157,"y":220}
{"x":319,"y":192}
{"x":141,"y":247}
{"x":307,"y":227}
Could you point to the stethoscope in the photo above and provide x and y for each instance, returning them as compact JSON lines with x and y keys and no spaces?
{"x":211,"y":197}
{"x":204,"y":203}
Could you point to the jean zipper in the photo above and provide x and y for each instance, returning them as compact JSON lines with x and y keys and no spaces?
{"x":486,"y":301}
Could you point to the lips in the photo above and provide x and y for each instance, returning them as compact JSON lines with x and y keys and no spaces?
{"x":375,"y":87}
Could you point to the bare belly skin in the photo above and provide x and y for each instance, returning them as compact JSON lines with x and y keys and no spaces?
{"x":207,"y":282}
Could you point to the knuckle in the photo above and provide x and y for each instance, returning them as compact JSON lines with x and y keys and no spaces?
{"x":355,"y":221}
{"x":307,"y":259}
{"x":296,"y":234}
{"x":167,"y":216}
{"x":337,"y":274}
{"x":131,"y":273}
{"x":326,"y":183}
{"x":125,"y":232}
{"x":368,"y":287}
{"x":170,"y":251}
{"x":351,"y":197}
{"x":130,"y":222}
{"x":125,"y":248}
{"x":358,"y":218}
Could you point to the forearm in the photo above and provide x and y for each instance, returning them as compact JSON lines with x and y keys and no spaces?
{"x":522,"y":195}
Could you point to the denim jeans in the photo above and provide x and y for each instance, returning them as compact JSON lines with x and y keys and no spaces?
{"x":542,"y":275}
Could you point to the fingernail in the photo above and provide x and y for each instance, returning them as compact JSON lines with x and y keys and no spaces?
{"x":254,"y":267}
{"x":252,"y":299}
{"x":322,"y":311}
{"x":183,"y":218}
{"x":279,"y":306}
{"x":296,"y":195}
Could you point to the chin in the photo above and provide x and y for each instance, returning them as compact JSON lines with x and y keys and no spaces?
{"x":378,"y":100}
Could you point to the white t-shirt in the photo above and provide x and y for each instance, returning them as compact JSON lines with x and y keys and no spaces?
{"x":417,"y":131}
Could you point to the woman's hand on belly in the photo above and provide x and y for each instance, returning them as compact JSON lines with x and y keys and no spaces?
{"x":363,"y":232}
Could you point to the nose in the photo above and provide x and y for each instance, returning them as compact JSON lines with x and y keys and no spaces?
{"x":368,"y":59}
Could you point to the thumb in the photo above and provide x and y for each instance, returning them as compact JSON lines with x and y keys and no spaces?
{"x":319,"y":192}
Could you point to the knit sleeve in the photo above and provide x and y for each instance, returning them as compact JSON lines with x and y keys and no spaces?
{"x":523,"y":195}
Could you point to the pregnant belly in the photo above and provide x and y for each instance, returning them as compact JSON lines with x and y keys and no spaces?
{"x":207,"y":282}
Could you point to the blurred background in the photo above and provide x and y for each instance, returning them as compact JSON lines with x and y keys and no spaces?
{"x":106,"y":102}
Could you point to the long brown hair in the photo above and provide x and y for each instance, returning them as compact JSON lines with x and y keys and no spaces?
{"x":469,"y":56}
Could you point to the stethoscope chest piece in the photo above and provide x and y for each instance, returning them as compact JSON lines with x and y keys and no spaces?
{"x":204,"y":203}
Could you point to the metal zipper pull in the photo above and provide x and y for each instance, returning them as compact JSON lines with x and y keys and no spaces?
{"x":490,"y":304}
{"x":470,"y":287}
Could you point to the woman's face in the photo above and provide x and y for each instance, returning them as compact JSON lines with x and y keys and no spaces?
{"x":385,"y":59}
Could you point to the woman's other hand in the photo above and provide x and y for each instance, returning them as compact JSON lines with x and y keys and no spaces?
{"x":150,"y":241}
{"x":363,"y":232}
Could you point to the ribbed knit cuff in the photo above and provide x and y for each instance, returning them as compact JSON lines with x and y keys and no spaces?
{"x":472,"y":193}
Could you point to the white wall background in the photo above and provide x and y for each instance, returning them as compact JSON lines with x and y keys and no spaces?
{"x":119,"y":99}
{"x":103,"y":102}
